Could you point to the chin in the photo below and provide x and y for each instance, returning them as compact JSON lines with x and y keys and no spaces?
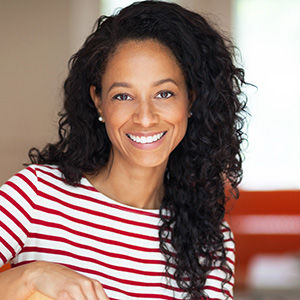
{"x":151,"y":163}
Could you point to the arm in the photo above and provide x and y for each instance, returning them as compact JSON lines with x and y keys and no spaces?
{"x":52,"y":280}
{"x":17,"y":198}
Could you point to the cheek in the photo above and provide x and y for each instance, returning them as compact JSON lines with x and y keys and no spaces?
{"x":179,"y":115}
{"x":179,"y":119}
{"x":115,"y":117}
{"x":182,"y":126}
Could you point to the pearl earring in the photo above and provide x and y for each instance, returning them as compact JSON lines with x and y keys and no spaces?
{"x":100,"y":119}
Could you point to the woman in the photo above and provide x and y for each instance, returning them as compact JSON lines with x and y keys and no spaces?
{"x":130,"y":202}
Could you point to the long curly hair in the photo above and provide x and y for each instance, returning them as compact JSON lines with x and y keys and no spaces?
{"x":207,"y":160}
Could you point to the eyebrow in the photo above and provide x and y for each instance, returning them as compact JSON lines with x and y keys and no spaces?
{"x":156,"y":83}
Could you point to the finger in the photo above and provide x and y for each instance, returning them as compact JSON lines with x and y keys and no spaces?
{"x":73,"y":292}
{"x":100,"y":291}
{"x":88,"y":289}
{"x":64,"y":295}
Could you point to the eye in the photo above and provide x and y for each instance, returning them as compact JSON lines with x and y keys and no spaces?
{"x":122,"y":97}
{"x":165,"y":94}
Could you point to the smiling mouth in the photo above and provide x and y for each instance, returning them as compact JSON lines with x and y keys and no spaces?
{"x":146,"y":139}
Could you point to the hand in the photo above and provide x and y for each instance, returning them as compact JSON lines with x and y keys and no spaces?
{"x":38,"y":296}
{"x":61,"y":283}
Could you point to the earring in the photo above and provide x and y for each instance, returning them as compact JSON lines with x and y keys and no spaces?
{"x":190,"y":114}
{"x":100,"y":119}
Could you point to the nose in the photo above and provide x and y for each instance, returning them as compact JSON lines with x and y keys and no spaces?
{"x":146,"y":114}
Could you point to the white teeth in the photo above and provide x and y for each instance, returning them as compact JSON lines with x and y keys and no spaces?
{"x":144,"y":139}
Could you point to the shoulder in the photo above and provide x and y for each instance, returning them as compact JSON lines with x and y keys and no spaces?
{"x":29,"y":177}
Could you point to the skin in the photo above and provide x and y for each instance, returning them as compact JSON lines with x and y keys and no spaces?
{"x":50,"y":279}
{"x":143,"y":93}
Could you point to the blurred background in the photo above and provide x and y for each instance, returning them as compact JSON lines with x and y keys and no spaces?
{"x":39,"y":36}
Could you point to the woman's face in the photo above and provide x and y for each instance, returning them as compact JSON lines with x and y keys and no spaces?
{"x":144,"y":103}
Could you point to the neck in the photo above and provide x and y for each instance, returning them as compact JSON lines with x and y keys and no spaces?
{"x":135,"y":186}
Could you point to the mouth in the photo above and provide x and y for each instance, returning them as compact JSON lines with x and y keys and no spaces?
{"x":149,"y":139}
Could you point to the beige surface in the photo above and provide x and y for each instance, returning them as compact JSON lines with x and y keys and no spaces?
{"x":37,"y":38}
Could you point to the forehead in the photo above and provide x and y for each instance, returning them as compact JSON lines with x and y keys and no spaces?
{"x":142,"y":59}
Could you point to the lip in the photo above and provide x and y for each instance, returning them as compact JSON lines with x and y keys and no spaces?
{"x":147,"y":146}
{"x":145,"y":134}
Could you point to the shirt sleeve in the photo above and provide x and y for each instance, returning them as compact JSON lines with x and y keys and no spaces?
{"x":219,"y":282}
{"x":17,"y":197}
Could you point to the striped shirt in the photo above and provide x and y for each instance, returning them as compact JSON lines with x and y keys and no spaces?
{"x":43,"y":218}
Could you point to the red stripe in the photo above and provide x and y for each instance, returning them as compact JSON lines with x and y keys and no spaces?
{"x":16,"y":204}
{"x":93,"y":237}
{"x":60,"y":178}
{"x":230,"y":260}
{"x":84,"y":270}
{"x":90,"y":259}
{"x":6,"y":245}
{"x":97,"y":250}
{"x":124,"y":281}
{"x":139,"y":295}
{"x":94,"y":225}
{"x":218,"y":278}
{"x":30,"y":169}
{"x":120,"y":280}
{"x":230,"y":250}
{"x":222,"y":269}
{"x":84,"y":258}
{"x":3,"y":258}
{"x":108,"y":216}
{"x":29,"y":183}
{"x":92,"y":188}
{"x":96,"y":213}
{"x":12,"y":217}
{"x":98,"y":262}
{"x":101,"y":227}
{"x":80,"y":196}
{"x":202,"y":298}
{"x":11,"y":233}
{"x":213,"y":288}
{"x":229,"y":240}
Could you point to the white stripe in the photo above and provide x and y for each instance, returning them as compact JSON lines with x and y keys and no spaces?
{"x":14,"y":228}
{"x":96,"y":244}
{"x":117,"y":274}
{"x":91,"y":204}
{"x":115,"y":261}
{"x":95,"y":218}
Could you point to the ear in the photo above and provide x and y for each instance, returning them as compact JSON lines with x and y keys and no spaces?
{"x":96,"y":99}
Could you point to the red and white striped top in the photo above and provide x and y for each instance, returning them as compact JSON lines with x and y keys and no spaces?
{"x":43,"y":218}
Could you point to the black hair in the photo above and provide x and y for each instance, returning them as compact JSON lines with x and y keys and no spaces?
{"x":207,"y":159}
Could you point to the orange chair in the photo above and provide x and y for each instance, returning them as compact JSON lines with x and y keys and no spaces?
{"x":5,"y":267}
{"x":265,"y":222}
